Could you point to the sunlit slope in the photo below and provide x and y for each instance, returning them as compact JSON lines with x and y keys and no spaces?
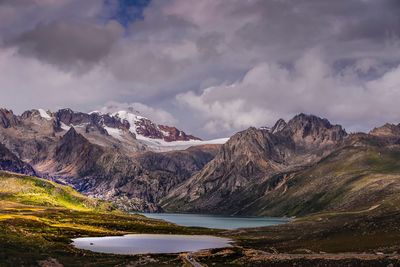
{"x":35,"y":191}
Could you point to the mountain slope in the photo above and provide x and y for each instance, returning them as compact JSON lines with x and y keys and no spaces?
{"x":361,"y":173}
{"x":139,"y":183}
{"x":133,"y":182}
{"x":353,"y":178}
{"x":253,"y":158}
{"x":10,"y":162}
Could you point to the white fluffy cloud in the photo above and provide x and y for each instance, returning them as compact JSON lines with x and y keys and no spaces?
{"x":28,"y":83}
{"x":269,"y":91}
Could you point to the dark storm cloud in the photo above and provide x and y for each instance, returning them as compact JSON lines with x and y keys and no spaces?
{"x":22,"y":15}
{"x":68,"y":43}
{"x":229,"y":64}
{"x":376,"y":21}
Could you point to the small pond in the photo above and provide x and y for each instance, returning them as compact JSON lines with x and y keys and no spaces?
{"x":150,"y":243}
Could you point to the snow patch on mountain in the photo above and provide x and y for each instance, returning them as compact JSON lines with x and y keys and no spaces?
{"x":159,"y":144}
{"x":114,"y":132}
{"x":131,"y":118}
{"x":44,"y":114}
{"x":155,"y":137}
{"x":162,"y":146}
{"x":65,"y":127}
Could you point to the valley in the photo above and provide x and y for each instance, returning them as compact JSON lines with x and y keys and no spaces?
{"x":199,"y":133}
{"x":39,"y":222}
{"x":68,"y":175}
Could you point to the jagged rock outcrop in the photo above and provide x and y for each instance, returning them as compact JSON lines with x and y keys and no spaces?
{"x":309,"y":131}
{"x":171,"y":134}
{"x":146,"y":128}
{"x":10,"y":162}
{"x":71,"y":118}
{"x":7,"y":118}
{"x":28,"y":136}
{"x":279,"y":125}
{"x":387,"y":130}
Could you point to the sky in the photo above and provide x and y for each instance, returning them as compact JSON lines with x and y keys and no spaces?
{"x":210,"y":67}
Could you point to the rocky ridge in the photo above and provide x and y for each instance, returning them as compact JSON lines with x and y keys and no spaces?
{"x":295,"y":167}
{"x":306,"y":166}
{"x":10,"y":162}
{"x":254,"y":157}
{"x":99,"y":155}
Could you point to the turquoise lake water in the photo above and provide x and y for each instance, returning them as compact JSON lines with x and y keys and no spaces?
{"x":217,"y":222}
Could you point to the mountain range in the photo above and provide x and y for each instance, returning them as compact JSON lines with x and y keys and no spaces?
{"x":123,"y":157}
{"x":301,"y":166}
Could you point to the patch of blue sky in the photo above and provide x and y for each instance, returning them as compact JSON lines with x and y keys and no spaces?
{"x":124,"y":11}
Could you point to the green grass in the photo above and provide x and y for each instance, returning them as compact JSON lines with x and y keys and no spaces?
{"x":351,"y":179}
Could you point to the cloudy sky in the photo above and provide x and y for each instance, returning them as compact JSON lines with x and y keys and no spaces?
{"x":211,"y":67}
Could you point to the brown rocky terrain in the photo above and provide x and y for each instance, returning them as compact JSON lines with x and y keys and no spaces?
{"x":97,"y":154}
{"x":306,"y":167}
{"x":253,"y":158}
{"x":387,"y":130}
{"x":298,"y":167}
{"x":10,"y":162}
{"x":133,"y":182}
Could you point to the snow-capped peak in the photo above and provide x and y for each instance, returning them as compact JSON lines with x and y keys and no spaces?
{"x":161,"y":137}
{"x":155,"y":136}
{"x":129,"y":117}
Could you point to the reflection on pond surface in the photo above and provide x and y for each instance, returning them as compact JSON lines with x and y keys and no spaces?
{"x":150,"y":243}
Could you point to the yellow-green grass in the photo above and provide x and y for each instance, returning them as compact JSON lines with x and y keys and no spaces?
{"x":39,"y":192}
